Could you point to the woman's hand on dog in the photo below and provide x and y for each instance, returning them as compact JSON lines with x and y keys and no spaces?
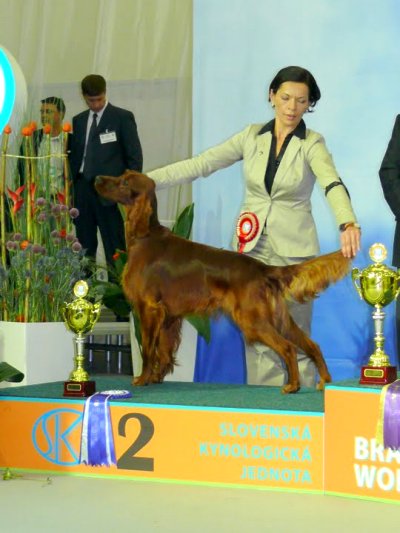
{"x":350,"y":241}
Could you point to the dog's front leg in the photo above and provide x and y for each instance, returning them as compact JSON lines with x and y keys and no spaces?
{"x":151,"y":319}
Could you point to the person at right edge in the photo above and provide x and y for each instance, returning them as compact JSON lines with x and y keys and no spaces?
{"x":389,"y":174}
{"x":282,"y":159}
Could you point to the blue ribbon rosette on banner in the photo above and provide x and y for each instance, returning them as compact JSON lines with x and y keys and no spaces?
{"x":97,"y":442}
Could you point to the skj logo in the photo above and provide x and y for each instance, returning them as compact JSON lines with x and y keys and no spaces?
{"x":56,"y":436}
{"x":7,"y":90}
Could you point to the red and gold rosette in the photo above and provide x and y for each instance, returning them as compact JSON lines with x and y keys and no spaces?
{"x":246,"y":229}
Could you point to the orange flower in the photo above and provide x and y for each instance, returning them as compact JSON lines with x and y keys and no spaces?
{"x":115,"y":256}
{"x":20,"y":318}
{"x":24,"y":244}
{"x":26,"y":131}
{"x":61,"y":198}
{"x":46,"y":129}
{"x":7,"y":129}
{"x":16,"y":198}
{"x":33,"y":125}
{"x":67,"y":128}
{"x":63,"y":233}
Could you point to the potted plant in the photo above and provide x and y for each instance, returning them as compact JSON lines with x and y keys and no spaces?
{"x":40,"y":260}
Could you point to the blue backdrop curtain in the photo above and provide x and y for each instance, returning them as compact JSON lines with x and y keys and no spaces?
{"x":222,"y":360}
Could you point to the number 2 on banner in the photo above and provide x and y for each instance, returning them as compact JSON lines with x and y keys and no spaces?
{"x":128,"y":461}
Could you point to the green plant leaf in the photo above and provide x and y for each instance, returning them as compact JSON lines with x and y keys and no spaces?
{"x":9,"y":373}
{"x":112,"y":297}
{"x":120,"y":259}
{"x":201,"y":325}
{"x":118,"y":305}
{"x":184,"y":222}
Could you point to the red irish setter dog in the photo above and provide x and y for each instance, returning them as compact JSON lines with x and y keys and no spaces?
{"x":167,"y":277}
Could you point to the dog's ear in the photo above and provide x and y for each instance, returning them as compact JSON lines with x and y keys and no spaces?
{"x":138,"y":183}
{"x":137,"y":218}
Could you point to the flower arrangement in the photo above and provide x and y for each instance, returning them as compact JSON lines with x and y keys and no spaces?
{"x":40,"y":257}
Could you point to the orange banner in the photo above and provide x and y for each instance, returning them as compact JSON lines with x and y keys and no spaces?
{"x":240,"y":447}
{"x":355,"y":463}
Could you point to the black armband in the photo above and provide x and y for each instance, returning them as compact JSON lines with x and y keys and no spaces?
{"x":335,"y":184}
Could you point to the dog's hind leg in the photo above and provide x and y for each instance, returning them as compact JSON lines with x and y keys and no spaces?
{"x":285,"y":349}
{"x":297,"y":336}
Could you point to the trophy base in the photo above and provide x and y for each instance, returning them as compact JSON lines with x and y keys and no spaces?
{"x":81,"y":389}
{"x":378,"y":375}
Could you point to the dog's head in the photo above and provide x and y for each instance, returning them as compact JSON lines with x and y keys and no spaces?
{"x":125,"y":189}
{"x":136,"y":192}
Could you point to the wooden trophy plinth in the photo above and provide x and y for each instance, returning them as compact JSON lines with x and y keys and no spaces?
{"x":80,"y":389}
{"x":378,"y":375}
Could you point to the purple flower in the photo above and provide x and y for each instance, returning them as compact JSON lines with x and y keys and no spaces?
{"x":37,"y":249}
{"x":56,"y":209}
{"x":41,"y":201}
{"x":54,"y":234}
{"x":73,"y":212}
{"x":63,"y":208}
{"x":17,"y":237}
{"x":42,"y":217}
{"x":76,"y":247}
{"x":11,"y":245}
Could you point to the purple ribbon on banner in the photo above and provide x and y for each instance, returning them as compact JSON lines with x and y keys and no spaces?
{"x":97,"y":442}
{"x":388,"y":431}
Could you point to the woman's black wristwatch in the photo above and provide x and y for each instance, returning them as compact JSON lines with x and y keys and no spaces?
{"x":343,"y":227}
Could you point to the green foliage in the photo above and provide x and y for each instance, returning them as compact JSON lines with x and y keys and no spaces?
{"x":184,"y":222}
{"x":111,"y":291}
{"x":9,"y":373}
{"x":39,"y":276}
{"x":201,"y":324}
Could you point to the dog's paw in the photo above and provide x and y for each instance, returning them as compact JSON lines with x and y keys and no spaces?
{"x":139,"y":381}
{"x":323,"y":381}
{"x":156,"y":379}
{"x":290,"y":388}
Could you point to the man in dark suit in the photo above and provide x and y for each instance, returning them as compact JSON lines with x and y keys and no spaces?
{"x":389,"y":174}
{"x":105,"y":141}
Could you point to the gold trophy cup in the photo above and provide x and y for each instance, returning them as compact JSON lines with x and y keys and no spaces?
{"x":80,"y":316}
{"x":377,"y":285}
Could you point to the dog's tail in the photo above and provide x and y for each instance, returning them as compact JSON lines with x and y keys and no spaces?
{"x":306,"y":280}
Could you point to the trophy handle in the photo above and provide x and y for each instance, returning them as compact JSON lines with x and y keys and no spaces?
{"x":398,"y":286}
{"x":355,"y":276}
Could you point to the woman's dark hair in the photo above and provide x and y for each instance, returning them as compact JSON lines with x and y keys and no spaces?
{"x":93,"y":85}
{"x":298,"y":75}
